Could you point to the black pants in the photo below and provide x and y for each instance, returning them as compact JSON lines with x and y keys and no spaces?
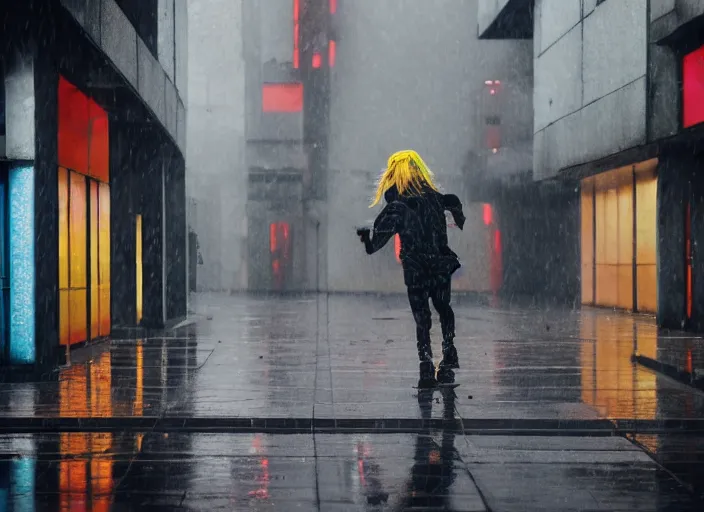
{"x":439,"y":291}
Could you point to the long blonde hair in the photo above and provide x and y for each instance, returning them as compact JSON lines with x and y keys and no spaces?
{"x":407,"y":170}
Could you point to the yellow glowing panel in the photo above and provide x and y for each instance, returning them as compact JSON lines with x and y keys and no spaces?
{"x":78,"y":316}
{"x":587,"y":284}
{"x":138,"y":273}
{"x":77,"y":231}
{"x":625,"y":246}
{"x":104,"y":257}
{"x":64,"y":315}
{"x":606,"y":285}
{"x":600,"y":212}
{"x":646,"y":221}
{"x":625,"y":287}
{"x":646,"y":240}
{"x":63,"y":228}
{"x":625,"y":225}
{"x":647,"y":288}
{"x":94,"y":288}
{"x":611,"y":224}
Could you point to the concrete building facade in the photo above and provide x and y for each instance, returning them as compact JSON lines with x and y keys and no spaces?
{"x":216,"y":173}
{"x":92,"y":172}
{"x":617,"y":101}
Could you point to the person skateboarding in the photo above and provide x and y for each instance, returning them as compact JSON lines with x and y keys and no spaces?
{"x":415,"y":210}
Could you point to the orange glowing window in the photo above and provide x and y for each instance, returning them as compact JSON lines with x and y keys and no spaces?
{"x":287,"y":98}
{"x":397,"y":247}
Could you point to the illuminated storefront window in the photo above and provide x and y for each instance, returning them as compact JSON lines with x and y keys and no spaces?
{"x":84,"y":217}
{"x":618,"y":215}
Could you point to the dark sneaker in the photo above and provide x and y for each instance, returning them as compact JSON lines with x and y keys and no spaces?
{"x":427,"y":375}
{"x":449,"y":359}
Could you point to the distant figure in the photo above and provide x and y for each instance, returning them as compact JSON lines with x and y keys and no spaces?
{"x":415,"y":210}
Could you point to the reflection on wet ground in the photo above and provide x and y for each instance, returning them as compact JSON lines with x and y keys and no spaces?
{"x":345,"y":367}
{"x":430,"y":470}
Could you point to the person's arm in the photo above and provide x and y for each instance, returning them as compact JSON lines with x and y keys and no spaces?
{"x":453,"y":204}
{"x":385,"y":226}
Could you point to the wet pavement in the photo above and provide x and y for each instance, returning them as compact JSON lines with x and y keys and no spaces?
{"x":309,"y":404}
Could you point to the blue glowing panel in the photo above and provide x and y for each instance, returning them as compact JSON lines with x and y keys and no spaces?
{"x":23,"y":483}
{"x":21,"y":203}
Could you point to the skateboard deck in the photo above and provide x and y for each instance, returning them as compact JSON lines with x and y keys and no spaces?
{"x":441,"y":386}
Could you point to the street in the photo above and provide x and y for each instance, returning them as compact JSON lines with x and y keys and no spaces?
{"x":308,"y":403}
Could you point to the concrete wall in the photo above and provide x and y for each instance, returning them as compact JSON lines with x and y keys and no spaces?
{"x":215,"y":170}
{"x":590,"y":81}
{"x":111,"y":31}
{"x":408,"y":75}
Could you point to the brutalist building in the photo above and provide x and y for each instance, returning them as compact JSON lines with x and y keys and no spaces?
{"x":92,"y":175}
{"x":619,"y":110}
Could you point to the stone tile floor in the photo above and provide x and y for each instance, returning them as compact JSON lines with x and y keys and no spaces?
{"x":558,"y":384}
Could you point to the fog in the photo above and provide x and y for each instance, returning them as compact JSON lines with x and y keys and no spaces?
{"x":406,"y":75}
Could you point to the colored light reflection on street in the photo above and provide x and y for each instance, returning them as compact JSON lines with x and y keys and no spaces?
{"x":610,"y":381}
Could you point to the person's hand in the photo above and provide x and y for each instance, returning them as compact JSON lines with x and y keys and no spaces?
{"x":363,"y":234}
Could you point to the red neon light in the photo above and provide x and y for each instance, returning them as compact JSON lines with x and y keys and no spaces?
{"x":693,"y":88}
{"x":397,"y":248}
{"x":83,"y":134}
{"x":282,"y":98}
{"x":296,"y":33}
{"x":488,"y":215}
{"x":332,"y":53}
{"x":333,"y":6}
{"x":317,"y":60}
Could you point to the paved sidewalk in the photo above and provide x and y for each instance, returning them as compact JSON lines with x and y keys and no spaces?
{"x":308,"y":404}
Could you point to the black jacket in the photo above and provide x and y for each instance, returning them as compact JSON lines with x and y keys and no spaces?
{"x":419,"y":220}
